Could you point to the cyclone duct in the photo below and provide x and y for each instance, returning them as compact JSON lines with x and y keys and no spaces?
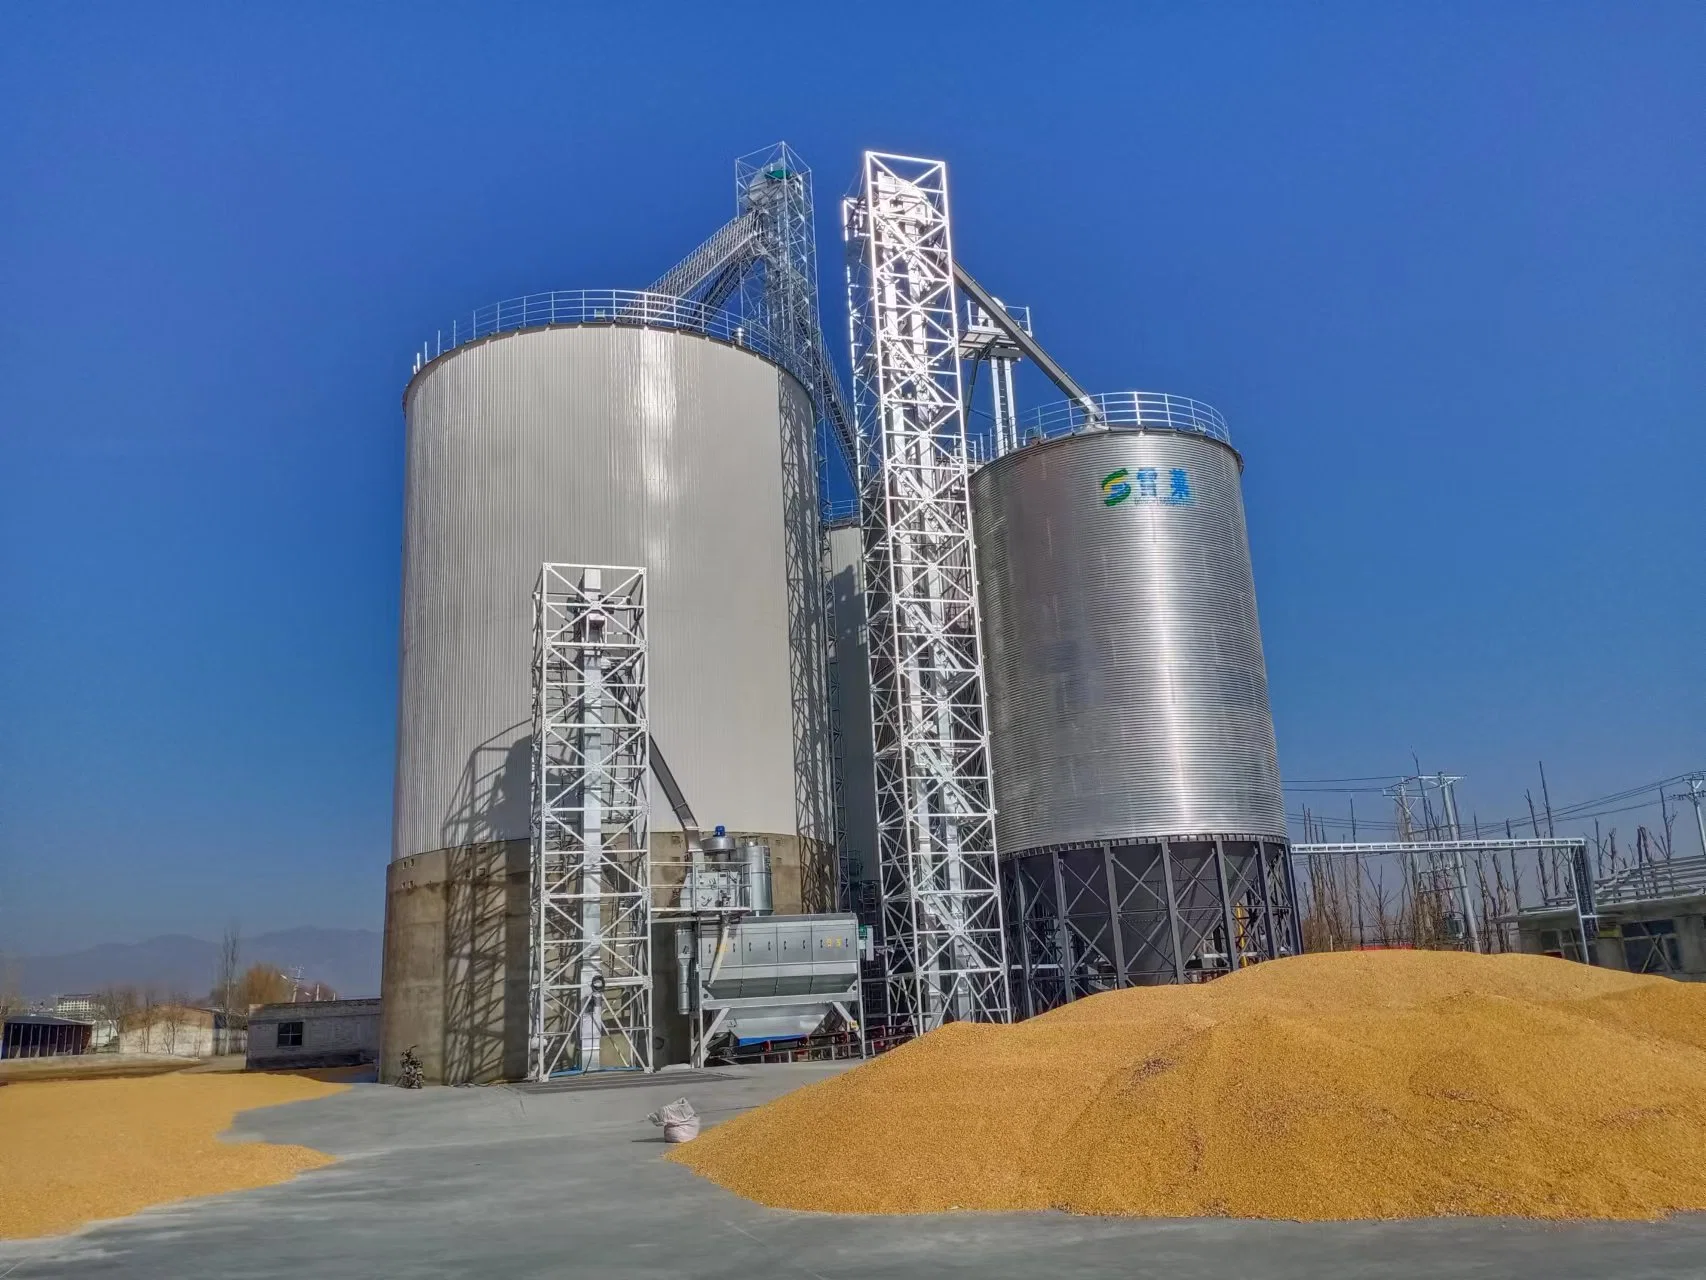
{"x":685,"y":452}
{"x":1139,"y":810}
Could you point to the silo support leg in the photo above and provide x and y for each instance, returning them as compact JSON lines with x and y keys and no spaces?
{"x":1173,"y":913}
{"x":1063,"y":932}
{"x":1114,"y":916}
{"x":1226,"y":906}
{"x":1269,"y":925}
{"x":1022,"y":916}
{"x":1294,"y":927}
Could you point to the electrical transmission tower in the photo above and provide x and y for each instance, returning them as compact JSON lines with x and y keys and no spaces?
{"x":943,"y":939}
{"x":590,"y":989}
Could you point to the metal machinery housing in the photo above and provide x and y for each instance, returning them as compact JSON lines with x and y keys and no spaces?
{"x":743,"y":982}
{"x":1141,"y":821}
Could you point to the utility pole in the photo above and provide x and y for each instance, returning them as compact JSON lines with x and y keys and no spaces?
{"x":1401,"y":804}
{"x":1469,"y":923}
{"x":1547,"y":797}
{"x":1664,"y":813}
{"x":1696,"y":795}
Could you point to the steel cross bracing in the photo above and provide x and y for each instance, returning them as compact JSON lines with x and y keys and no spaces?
{"x":590,"y":978}
{"x":1093,"y":918}
{"x":943,"y":938}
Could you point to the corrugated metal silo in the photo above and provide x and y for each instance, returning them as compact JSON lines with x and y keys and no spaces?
{"x":1137,"y":787}
{"x":603,"y":443}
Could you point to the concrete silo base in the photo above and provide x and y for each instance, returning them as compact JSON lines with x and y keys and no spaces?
{"x":456,"y":950}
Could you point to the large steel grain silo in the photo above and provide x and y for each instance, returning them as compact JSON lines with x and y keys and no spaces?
{"x":617,"y":429}
{"x":1139,"y":811}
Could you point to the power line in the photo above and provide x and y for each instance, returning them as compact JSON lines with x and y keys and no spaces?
{"x":1375,"y":777}
{"x":1597,"y":807}
{"x":1602,"y":806}
{"x":1630,"y":794}
{"x":1337,"y":791}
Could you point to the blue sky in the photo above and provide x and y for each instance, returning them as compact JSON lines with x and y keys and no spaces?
{"x":1443,"y":267}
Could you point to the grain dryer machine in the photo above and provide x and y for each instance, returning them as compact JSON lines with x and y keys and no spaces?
{"x":745,"y":977}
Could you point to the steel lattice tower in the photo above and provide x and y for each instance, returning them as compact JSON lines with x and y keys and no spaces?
{"x":943,"y":939}
{"x":590,"y":994}
{"x":778,"y":289}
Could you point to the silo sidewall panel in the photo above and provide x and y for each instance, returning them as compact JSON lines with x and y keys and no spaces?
{"x":1126,"y":684}
{"x":618,"y":446}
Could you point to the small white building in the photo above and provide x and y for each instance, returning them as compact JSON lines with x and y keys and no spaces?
{"x":314,"y":1033}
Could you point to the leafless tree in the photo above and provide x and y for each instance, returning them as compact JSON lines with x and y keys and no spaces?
{"x":115,"y":1011}
{"x":225,"y":983}
{"x":172,"y":1023}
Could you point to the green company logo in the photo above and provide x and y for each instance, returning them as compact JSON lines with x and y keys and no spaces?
{"x":1144,"y":484}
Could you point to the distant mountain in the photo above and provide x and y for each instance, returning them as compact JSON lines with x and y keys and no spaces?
{"x":347,"y":960}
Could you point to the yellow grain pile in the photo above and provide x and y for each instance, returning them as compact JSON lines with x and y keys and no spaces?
{"x":1375,"y":1085}
{"x":77,"y":1150}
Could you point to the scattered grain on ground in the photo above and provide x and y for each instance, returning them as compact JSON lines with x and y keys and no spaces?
{"x":1352,"y":1085}
{"x":75,"y":1151}
{"x":90,"y":1066}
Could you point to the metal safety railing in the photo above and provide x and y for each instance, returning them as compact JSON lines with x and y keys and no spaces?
{"x":634,"y":307}
{"x":1124,"y":411}
{"x":1652,"y":881}
{"x":838,"y":510}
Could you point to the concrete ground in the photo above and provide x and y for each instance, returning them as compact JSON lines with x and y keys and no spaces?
{"x":501,"y":1184}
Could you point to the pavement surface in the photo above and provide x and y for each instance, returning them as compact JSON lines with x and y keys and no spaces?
{"x":501,"y":1183}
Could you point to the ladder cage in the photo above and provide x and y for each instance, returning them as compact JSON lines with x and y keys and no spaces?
{"x":590,"y":977}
